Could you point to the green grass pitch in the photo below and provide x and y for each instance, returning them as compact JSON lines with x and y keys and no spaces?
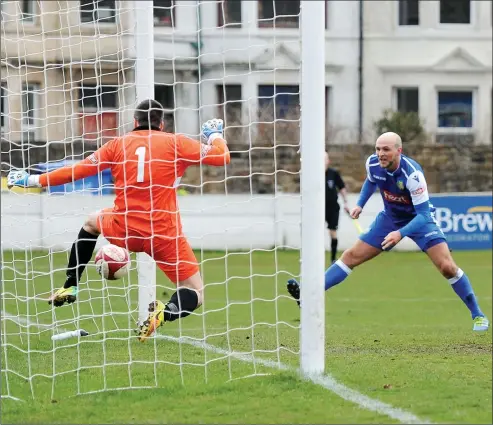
{"x":395,"y":331}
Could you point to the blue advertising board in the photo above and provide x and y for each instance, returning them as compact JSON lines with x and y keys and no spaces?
{"x":465,"y":219}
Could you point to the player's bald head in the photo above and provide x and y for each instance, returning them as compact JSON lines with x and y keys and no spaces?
{"x":390,"y":138}
{"x":388,"y":148}
{"x":149,"y":112}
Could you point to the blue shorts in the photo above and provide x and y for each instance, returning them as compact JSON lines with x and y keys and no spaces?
{"x":426,"y":237}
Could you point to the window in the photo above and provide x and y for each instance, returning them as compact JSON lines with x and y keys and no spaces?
{"x":3,"y":107}
{"x":229,"y":13}
{"x":165,"y":95}
{"x":30,"y":109}
{"x":230,"y":110}
{"x":278,"y":102}
{"x":92,"y":97}
{"x":30,"y":105}
{"x":407,"y":99}
{"x":98,"y":11}
{"x":328,"y":90}
{"x":164,"y":13}
{"x":229,"y":99}
{"x":28,"y":11}
{"x":455,"y":11}
{"x":408,"y":12}
{"x":278,"y":13}
{"x":455,"y":109}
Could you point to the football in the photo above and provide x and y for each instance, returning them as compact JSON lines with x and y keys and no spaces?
{"x":112,"y":262}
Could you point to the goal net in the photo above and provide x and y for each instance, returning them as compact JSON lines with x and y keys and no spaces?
{"x":71,"y":75}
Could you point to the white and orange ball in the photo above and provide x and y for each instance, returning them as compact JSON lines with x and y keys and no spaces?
{"x":112,"y":262}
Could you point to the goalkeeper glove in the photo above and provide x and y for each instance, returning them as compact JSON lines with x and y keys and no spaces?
{"x":22,"y":179}
{"x":211,"y":130}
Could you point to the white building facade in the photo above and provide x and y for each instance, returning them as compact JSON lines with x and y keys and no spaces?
{"x":433,"y":57}
{"x":420,"y":56}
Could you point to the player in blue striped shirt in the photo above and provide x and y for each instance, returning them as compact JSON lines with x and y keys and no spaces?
{"x":407,"y":212}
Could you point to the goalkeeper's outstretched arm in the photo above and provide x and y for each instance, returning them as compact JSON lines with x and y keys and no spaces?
{"x":89,"y":166}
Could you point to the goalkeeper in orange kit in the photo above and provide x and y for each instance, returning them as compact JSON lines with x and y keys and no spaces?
{"x":147,"y":165}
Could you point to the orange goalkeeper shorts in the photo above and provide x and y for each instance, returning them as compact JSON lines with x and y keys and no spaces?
{"x":172,"y":253}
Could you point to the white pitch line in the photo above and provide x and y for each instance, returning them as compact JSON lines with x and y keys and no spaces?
{"x":26,"y":322}
{"x":326,"y":381}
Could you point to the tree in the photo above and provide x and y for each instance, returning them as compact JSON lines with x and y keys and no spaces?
{"x":408,"y":125}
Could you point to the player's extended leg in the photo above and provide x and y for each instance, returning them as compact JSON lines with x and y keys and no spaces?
{"x":189,"y":292}
{"x":366,"y":248}
{"x":80,"y":255}
{"x":359,"y":253}
{"x":442,"y":259}
{"x":186,"y":299}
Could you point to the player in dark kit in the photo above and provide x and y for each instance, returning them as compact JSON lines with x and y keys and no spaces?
{"x":333,"y":186}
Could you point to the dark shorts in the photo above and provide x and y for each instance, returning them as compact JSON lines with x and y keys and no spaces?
{"x":332,"y":216}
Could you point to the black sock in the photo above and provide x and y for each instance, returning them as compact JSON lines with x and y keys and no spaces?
{"x":333,"y":246}
{"x":181,"y":304}
{"x":80,"y":255}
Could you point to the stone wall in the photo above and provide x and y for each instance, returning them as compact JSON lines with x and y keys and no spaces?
{"x":447,"y":168}
{"x":451,"y":168}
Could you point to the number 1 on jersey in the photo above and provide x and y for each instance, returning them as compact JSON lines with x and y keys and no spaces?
{"x":141,"y":154}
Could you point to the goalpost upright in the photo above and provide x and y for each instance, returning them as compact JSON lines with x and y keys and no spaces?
{"x":75,"y":103}
{"x":144,"y":89}
{"x":312,"y":332}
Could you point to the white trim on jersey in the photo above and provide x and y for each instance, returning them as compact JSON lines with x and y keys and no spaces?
{"x":410,"y":164}
{"x":367,"y":166}
{"x":416,"y":184}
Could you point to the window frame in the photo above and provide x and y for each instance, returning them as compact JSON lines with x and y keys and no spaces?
{"x":398,"y":15}
{"x":472,"y":20}
{"x":328,"y":105}
{"x":172,"y":22}
{"x":28,"y":17}
{"x":474,"y":118}
{"x":266,"y":23}
{"x":82,"y":109}
{"x":98,"y":21}
{"x":278,"y":114}
{"x":35,"y":108}
{"x":168,"y":107}
{"x":230,"y":103}
{"x":395,"y":96}
{"x":4,"y":110}
{"x":220,"y":16}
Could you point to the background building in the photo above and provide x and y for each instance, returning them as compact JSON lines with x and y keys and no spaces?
{"x":68,"y":67}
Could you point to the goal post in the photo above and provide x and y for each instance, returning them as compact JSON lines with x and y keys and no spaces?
{"x":144,"y":89}
{"x":72,"y":74}
{"x":312,"y":332}
{"x":312,"y":121}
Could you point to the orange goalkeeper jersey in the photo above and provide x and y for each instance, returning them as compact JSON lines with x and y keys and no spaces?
{"x":147,"y":166}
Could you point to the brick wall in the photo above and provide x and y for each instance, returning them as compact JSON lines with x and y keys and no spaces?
{"x":447,"y":168}
{"x":457,"y":168}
